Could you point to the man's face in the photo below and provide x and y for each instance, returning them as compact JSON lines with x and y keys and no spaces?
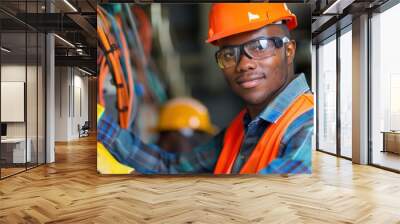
{"x":256,"y":80}
{"x":173,"y":141}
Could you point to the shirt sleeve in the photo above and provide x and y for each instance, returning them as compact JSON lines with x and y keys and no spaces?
{"x":295,"y":152}
{"x":128,"y":149}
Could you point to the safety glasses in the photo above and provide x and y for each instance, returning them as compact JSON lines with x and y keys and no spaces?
{"x":259,"y":48}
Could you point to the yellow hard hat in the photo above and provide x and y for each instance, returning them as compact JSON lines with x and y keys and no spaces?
{"x":185,"y":113}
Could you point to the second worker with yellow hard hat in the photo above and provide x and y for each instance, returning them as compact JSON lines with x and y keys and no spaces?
{"x":183,"y":123}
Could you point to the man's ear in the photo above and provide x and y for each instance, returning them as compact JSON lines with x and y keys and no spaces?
{"x":291,"y":51}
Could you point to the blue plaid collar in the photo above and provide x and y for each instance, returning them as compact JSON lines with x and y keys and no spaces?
{"x":275,"y":109}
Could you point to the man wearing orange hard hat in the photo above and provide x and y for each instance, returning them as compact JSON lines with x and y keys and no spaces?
{"x":272,"y":134}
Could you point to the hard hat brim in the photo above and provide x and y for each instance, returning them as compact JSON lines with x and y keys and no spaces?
{"x":212,"y":130}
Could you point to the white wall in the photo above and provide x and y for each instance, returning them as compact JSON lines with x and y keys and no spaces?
{"x":61,"y":103}
{"x":71,"y":94}
{"x":81,"y":94}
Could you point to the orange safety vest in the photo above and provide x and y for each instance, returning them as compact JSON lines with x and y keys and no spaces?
{"x":267,"y":147}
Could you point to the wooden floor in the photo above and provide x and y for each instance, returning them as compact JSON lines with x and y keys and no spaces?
{"x":10,"y":171}
{"x":70,"y":191}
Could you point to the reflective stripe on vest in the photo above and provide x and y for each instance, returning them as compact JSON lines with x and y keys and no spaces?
{"x":267,"y":147}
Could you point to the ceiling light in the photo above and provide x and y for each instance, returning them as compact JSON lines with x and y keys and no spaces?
{"x":329,"y":9}
{"x":65,"y":41}
{"x":5,"y":50}
{"x":70,"y":5}
{"x":337,"y":7}
{"x":84,"y":71}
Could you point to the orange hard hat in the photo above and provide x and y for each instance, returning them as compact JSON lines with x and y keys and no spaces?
{"x":226,"y":19}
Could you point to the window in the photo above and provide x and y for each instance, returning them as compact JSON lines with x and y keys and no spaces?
{"x":22,"y":75}
{"x":385,"y":89}
{"x":327,"y":96}
{"x":346,"y":74}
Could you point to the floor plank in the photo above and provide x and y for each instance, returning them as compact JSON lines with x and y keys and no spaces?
{"x":71,"y":191}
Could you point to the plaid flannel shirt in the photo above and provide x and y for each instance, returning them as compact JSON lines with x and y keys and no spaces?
{"x":294,"y":152}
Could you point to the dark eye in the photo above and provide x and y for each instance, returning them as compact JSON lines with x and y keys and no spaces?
{"x":227,"y":54}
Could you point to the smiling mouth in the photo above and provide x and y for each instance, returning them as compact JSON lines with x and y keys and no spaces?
{"x":250,"y":82}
